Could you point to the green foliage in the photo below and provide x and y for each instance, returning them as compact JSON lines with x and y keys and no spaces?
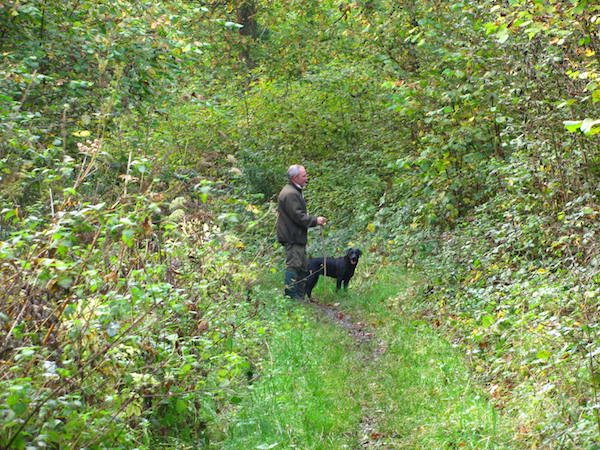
{"x":71,"y":69}
{"x":107,"y":342}
{"x":142,"y":144}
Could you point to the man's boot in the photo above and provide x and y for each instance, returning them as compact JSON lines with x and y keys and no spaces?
{"x":301,"y":284}
{"x":290,"y":283}
{"x":294,"y":285}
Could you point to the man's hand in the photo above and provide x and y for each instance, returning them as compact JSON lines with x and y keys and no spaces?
{"x":321,"y":220}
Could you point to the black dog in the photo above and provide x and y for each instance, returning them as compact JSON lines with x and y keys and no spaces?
{"x":342,"y":269}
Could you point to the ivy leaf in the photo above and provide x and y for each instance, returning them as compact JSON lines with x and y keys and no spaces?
{"x":572,"y":125}
{"x":490,"y":27}
{"x":17,"y":403}
{"x":25,"y":353}
{"x":112,"y":329}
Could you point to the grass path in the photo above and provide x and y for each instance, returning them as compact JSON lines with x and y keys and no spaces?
{"x":350,"y":372}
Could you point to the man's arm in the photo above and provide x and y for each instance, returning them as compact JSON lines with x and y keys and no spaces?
{"x":301,"y":217}
{"x":296,"y":211}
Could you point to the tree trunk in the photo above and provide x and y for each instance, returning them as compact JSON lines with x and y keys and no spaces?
{"x":246,"y":13}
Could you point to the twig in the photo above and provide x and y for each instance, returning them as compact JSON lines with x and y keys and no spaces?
{"x":16,"y":321}
{"x":324,"y":254}
{"x":127,"y":174}
{"x":51,"y":203}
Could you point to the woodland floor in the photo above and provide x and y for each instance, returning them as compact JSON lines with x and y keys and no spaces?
{"x":349,"y":370}
{"x":364,"y":337}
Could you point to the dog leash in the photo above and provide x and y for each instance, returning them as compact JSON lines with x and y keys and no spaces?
{"x":324,"y":259}
{"x":323,"y":249}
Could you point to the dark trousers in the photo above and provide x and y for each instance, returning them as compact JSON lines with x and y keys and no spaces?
{"x":295,"y":257}
{"x":296,"y":270}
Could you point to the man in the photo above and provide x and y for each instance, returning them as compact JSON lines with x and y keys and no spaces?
{"x":293,"y":223}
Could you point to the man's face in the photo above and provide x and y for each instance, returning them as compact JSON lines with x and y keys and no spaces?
{"x":301,"y":178}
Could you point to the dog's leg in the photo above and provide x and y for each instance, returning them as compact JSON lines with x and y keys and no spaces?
{"x":311,"y":282}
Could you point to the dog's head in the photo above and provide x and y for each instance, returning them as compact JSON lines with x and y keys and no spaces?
{"x":353,"y":254}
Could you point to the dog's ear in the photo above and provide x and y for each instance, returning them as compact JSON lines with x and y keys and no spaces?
{"x":359,"y":252}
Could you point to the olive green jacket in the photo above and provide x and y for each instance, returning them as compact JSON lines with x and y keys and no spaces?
{"x":293,"y":221}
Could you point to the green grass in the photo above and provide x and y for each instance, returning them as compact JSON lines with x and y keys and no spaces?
{"x":304,"y":397}
{"x":317,"y":384}
{"x":428,"y":396}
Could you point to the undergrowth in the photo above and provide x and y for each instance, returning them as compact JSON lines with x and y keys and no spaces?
{"x":520,"y":300}
{"x":124,"y":325}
